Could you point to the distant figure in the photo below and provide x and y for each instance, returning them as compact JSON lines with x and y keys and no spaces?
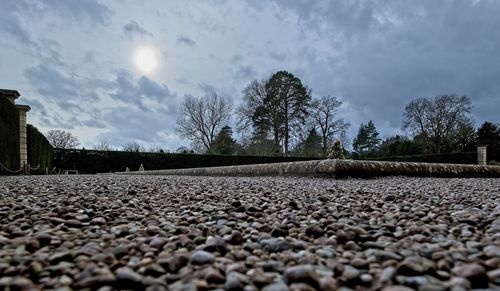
{"x":336,"y":151}
{"x":127,"y":169}
{"x":141,"y":168}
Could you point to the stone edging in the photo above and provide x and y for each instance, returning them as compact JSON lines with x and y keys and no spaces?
{"x":337,"y":169}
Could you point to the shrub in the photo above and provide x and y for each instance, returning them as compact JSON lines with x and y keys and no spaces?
{"x":449,"y":158}
{"x":9,"y":135}
{"x":92,"y":161}
{"x":40,"y":152}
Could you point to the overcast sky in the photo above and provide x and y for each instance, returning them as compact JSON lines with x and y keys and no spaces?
{"x":73,"y":60}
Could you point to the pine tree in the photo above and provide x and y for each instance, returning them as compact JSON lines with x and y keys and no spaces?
{"x":367,"y":140}
{"x":284,"y":106}
{"x":224,"y":144}
{"x":311,"y":146}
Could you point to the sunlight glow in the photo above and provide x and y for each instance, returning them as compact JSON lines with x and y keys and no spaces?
{"x":145,"y":60}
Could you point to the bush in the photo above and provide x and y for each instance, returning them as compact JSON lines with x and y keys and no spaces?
{"x":9,"y":135}
{"x":92,"y":161}
{"x":40,"y":152}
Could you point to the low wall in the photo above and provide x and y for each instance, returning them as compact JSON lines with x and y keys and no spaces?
{"x":338,"y":169}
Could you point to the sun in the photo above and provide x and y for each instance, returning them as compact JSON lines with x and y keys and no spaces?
{"x":145,"y":60}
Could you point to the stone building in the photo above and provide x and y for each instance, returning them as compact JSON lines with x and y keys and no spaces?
{"x":12,"y":95}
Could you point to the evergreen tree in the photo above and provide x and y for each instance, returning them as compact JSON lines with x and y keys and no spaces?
{"x":489,"y":134}
{"x":312,"y":146}
{"x":284,"y":106}
{"x":367,"y":140}
{"x":224,"y":144}
{"x":260,"y":145}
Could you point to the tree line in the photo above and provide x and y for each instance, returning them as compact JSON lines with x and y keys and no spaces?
{"x":279,"y":117}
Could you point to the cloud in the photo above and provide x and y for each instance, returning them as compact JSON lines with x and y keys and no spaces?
{"x":59,"y":86}
{"x":143,"y":93}
{"x":207,"y":88}
{"x":133,"y":29}
{"x":186,"y":40}
{"x":24,"y":17}
{"x":90,"y":11}
{"x":380,"y":55}
{"x":280,"y":57}
{"x":128,"y":124}
{"x":246,"y":72}
{"x":11,"y":26}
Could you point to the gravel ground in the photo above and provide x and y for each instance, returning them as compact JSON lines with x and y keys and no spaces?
{"x":187,"y":233}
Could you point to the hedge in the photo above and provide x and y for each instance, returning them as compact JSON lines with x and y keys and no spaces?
{"x":448,"y":158}
{"x":40,"y":152}
{"x":9,"y":135}
{"x":92,"y":161}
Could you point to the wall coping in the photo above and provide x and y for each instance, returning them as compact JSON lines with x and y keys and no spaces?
{"x":337,"y":169}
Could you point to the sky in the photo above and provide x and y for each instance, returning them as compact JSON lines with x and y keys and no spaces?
{"x":74,"y":61}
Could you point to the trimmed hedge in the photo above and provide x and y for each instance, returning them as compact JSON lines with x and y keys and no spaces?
{"x":92,"y":161}
{"x":449,"y":158}
{"x":40,"y":152}
{"x":9,"y":135}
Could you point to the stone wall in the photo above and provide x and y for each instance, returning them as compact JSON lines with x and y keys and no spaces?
{"x":338,"y":169}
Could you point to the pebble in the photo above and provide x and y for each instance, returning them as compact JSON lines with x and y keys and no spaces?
{"x":201,"y":258}
{"x":105,"y":232}
{"x":302,"y":274}
{"x":275,"y":244}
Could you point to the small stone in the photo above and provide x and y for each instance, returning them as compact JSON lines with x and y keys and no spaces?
{"x":366,"y":278}
{"x":274,"y":244}
{"x":153,"y":229}
{"x":120,"y":250}
{"x":278,"y":286}
{"x":235,"y":281}
{"x":73,"y":223}
{"x":314,"y":231}
{"x":213,"y":276}
{"x":157,"y":242}
{"x":96,"y":282}
{"x":302,"y":274}
{"x":328,"y":284}
{"x":154,"y":270}
{"x":128,"y":279}
{"x":279,"y":232}
{"x":387,"y":274}
{"x":235,"y":237}
{"x":259,"y":278}
{"x":494,"y":276}
{"x":350,"y":272}
{"x":389,"y":198}
{"x":82,"y":217}
{"x":98,"y":221}
{"x":474,"y":272}
{"x":492,"y":251}
{"x":43,"y":239}
{"x":215,"y":244}
{"x":175,"y":263}
{"x":352,"y":246}
{"x":60,"y":257}
{"x":413,"y":266}
{"x":201,"y":258}
{"x":21,"y":283}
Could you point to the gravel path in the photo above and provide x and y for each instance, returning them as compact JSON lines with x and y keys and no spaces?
{"x":187,"y":233}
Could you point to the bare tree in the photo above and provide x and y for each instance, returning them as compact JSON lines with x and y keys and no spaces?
{"x":253,"y":96}
{"x":132,"y":147}
{"x":103,"y":145}
{"x":437,"y":119}
{"x":323,"y":112}
{"x":62,"y":139}
{"x":202,"y":118}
